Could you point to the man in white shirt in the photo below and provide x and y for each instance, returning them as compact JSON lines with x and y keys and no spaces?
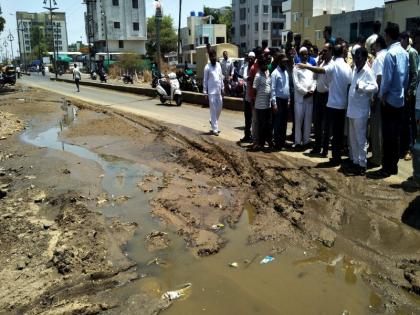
{"x":245,"y":70}
{"x":375,"y":115}
{"x":280,"y":98}
{"x":371,"y":40}
{"x":339,"y":78}
{"x":213,"y":88}
{"x":76,"y":76}
{"x":305,"y":85}
{"x":227,"y":70}
{"x":362,"y":88}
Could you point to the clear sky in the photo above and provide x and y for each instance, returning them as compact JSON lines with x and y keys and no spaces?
{"x":75,"y":20}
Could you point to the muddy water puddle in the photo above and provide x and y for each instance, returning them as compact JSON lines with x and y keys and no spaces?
{"x":295,"y":282}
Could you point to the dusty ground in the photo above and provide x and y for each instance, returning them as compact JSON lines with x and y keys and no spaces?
{"x":57,"y":252}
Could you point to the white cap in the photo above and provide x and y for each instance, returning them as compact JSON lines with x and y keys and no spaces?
{"x":302,"y":49}
{"x":251,"y":54}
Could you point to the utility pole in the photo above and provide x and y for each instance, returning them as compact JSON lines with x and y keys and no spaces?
{"x":158,"y":20}
{"x":21,"y":47}
{"x":52,"y":9}
{"x":106,"y":36}
{"x":10,"y":38}
{"x":5,"y":44}
{"x":90,"y":28}
{"x":179,"y":33}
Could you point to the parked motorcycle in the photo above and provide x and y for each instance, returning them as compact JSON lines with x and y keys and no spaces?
{"x":189,"y":83}
{"x":103,"y":77}
{"x":8,"y":76}
{"x":169,"y":91}
{"x":93,"y":75}
{"x":127,"y":78}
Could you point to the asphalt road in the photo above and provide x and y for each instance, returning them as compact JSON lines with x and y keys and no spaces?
{"x":191,"y":116}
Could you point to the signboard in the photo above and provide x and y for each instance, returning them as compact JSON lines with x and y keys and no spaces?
{"x":46,"y":60}
{"x":84,"y":50}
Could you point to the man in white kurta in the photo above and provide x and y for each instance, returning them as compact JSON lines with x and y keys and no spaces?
{"x":305,"y":85}
{"x":213,"y":87}
{"x":362,"y":88}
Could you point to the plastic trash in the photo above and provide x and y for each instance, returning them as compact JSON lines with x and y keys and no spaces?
{"x":218,"y":226}
{"x":267,"y":259}
{"x":177,"y":294}
{"x":234,"y":265}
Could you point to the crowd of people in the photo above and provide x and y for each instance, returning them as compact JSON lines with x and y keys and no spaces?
{"x":350,"y":98}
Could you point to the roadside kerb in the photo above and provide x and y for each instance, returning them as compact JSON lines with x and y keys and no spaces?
{"x":231,"y":103}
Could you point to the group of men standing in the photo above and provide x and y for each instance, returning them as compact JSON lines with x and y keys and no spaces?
{"x":345,"y":96}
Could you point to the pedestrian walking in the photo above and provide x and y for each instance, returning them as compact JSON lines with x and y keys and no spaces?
{"x":77,"y":76}
{"x":394,"y":83}
{"x":262,"y":87}
{"x":362,"y":88}
{"x":213,"y":88}
{"x":245,"y":72}
{"x":339,"y":77}
{"x":409,"y":128}
{"x":18,"y":71}
{"x":375,"y":114}
{"x":280,"y":98}
{"x":320,"y":103}
{"x":305,"y":85}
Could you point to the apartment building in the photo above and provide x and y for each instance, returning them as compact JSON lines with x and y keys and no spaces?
{"x":406,"y":13}
{"x":200,"y":31}
{"x":309,"y":17}
{"x":257,"y":23}
{"x":26,"y":21}
{"x":119,"y":25}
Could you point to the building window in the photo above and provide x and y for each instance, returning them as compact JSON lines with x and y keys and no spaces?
{"x":306,"y":21}
{"x":318,"y":34}
{"x":256,"y":43}
{"x":220,"y":40}
{"x":120,"y":44}
{"x":135,"y":4}
{"x":265,"y":9}
{"x":256,"y":9}
{"x":116,"y":2}
{"x":242,"y":14}
{"x":28,"y":48}
{"x":116,"y":24}
{"x":60,"y":48}
{"x":243,"y":30}
{"x":265,"y":26}
{"x":136,"y":26}
{"x":242,"y":1}
{"x":256,"y":27}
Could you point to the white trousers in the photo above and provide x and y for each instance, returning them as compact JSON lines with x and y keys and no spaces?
{"x":215,"y":104}
{"x":303,"y":118}
{"x":358,"y":140}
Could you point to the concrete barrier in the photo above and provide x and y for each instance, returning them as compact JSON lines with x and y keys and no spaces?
{"x":193,"y":98}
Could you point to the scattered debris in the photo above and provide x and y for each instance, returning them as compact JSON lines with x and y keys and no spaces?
{"x":266,"y":260}
{"x":177,"y":294}
{"x":218,"y":226}
{"x":234,"y":264}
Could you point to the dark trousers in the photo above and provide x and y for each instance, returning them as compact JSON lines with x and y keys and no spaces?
{"x":280,"y":122}
{"x":320,"y":109}
{"x":409,"y":126}
{"x":264,"y":126}
{"x":392,"y":120}
{"x":77,"y":83}
{"x":292,"y":112}
{"x":335,"y":122}
{"x":248,"y":118}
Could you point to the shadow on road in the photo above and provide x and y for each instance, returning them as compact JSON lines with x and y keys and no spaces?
{"x":411,"y":215}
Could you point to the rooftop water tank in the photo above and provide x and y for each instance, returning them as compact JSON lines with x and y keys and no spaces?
{"x":192,"y":13}
{"x":200,"y":14}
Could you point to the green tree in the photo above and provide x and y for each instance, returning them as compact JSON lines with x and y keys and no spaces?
{"x":2,"y":23}
{"x":38,"y":42}
{"x":221,"y":17}
{"x":168,"y":36}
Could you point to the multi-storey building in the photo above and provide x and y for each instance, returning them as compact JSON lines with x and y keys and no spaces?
{"x":26,"y":22}
{"x":257,"y":23}
{"x":309,"y":17}
{"x":200,"y":31}
{"x":116,"y":25}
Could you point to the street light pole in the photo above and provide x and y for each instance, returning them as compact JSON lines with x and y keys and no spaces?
{"x":106,"y":37}
{"x":22,"y":47}
{"x":11,"y":39}
{"x":5,"y":48}
{"x":52,"y":9}
{"x":179,"y":32}
{"x":158,"y":20}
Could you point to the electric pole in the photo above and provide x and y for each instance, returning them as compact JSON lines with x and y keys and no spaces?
{"x":52,"y":9}
{"x":179,"y":33}
{"x":10,"y":38}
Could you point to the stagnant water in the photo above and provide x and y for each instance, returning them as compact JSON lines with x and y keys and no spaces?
{"x":296,"y":282}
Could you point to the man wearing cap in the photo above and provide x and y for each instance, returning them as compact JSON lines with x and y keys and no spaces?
{"x":245,"y":70}
{"x":305,"y":85}
{"x":280,"y":97}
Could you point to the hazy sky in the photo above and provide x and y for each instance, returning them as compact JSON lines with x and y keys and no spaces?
{"x":75,"y":20}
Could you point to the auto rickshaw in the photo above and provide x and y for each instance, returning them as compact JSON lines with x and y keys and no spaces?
{"x":7,"y":75}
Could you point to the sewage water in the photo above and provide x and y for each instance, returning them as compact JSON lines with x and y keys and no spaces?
{"x":320,"y":282}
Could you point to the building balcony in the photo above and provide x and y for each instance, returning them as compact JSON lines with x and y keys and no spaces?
{"x":276,"y":2}
{"x":276,"y":33}
{"x":279,"y":17}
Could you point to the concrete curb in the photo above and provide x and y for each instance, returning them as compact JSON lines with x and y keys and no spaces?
{"x":231,"y":103}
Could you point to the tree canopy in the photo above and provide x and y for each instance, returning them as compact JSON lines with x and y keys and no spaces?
{"x":2,"y":23}
{"x":38,"y":42}
{"x":221,"y":17}
{"x":168,"y":36}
